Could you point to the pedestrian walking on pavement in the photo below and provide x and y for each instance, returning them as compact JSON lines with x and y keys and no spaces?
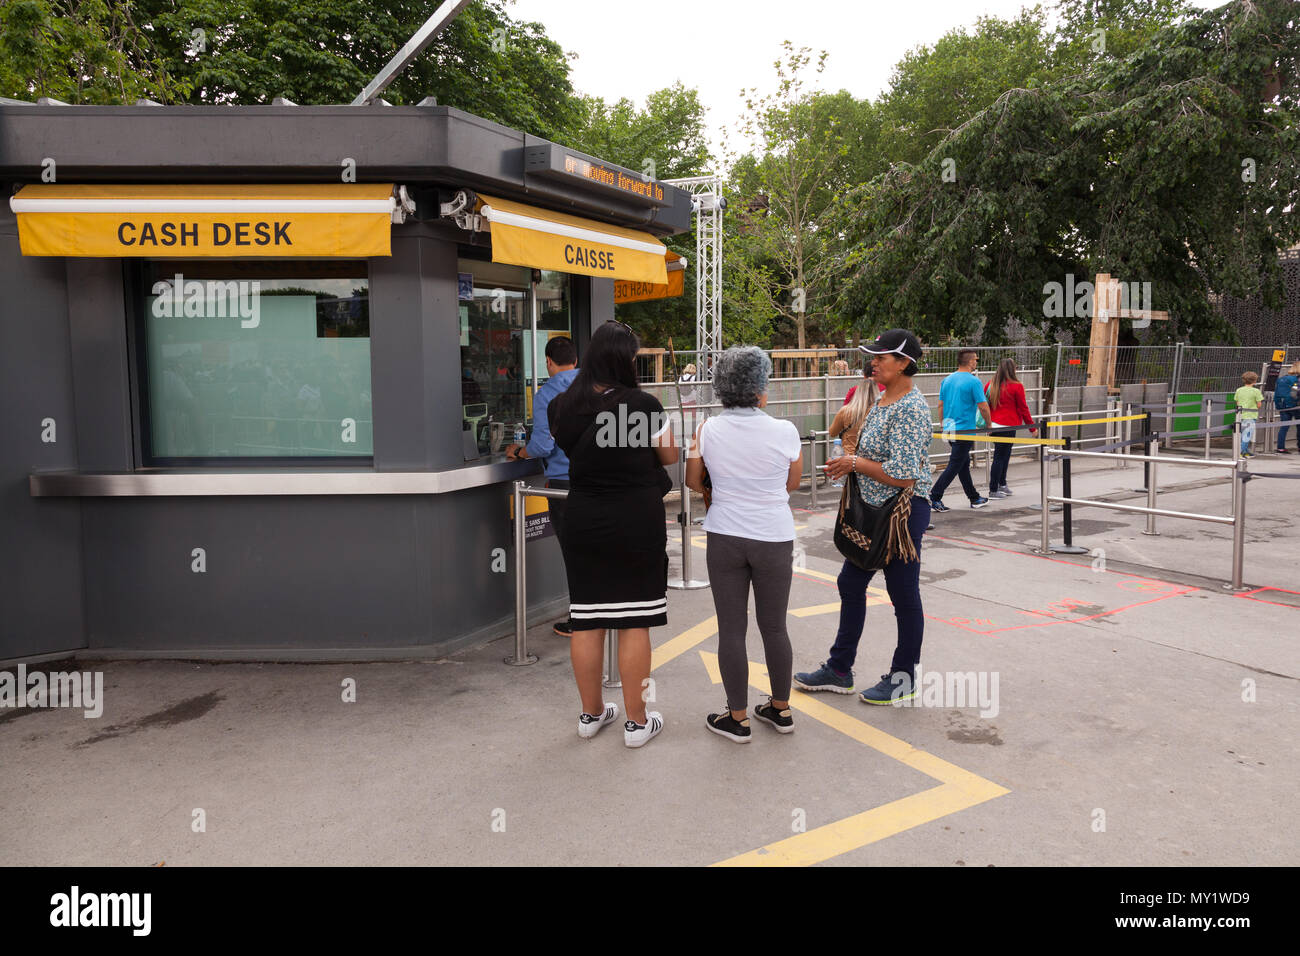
{"x":1286,"y":399}
{"x":1248,"y":399}
{"x":961,"y":397}
{"x":754,"y":461}
{"x":893,"y":452}
{"x":1006,"y":400}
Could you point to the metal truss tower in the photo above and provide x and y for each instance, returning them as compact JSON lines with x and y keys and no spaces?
{"x":708,"y":203}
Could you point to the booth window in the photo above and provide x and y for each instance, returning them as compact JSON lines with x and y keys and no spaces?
{"x":255,"y":359}
{"x":496,"y":343}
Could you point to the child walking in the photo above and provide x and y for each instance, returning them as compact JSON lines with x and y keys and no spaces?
{"x":1248,"y":399}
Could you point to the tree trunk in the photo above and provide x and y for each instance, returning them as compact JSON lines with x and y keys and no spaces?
{"x":799,"y":320}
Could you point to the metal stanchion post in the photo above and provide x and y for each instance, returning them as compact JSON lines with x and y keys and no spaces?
{"x":1153,"y":449}
{"x":1146,"y":465}
{"x":1067,"y":513}
{"x":1169,"y":421}
{"x":1125,"y":429}
{"x":812,"y":454}
{"x":1238,"y":525}
{"x":521,"y":655}
{"x":686,"y":582}
{"x":1206,"y":426}
{"x":1236,"y":458}
{"x":1044,"y":483}
{"x":612,"y":677}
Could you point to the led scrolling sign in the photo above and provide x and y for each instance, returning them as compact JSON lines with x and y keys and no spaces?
{"x":558,"y":163}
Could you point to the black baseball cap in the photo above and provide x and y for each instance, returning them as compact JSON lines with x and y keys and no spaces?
{"x":895,"y":341}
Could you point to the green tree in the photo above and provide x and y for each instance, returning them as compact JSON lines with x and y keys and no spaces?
{"x":1172,"y":165}
{"x":82,"y":51}
{"x":247,"y":52}
{"x":664,"y":140}
{"x":786,"y":199}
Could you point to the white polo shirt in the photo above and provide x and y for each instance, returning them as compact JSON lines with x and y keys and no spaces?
{"x":748,"y":454}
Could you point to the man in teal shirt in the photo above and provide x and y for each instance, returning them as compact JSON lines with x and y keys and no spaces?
{"x":960,"y":396}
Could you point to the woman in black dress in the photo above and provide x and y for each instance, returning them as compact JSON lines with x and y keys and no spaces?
{"x":614,"y":540}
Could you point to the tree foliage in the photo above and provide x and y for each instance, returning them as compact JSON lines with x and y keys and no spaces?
{"x":313,"y":52}
{"x":1174,"y":165}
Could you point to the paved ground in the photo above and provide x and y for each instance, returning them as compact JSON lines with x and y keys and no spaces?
{"x":1142,"y":715}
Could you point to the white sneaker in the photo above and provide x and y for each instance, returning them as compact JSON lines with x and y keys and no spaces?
{"x":637,"y":735}
{"x":589,"y":725}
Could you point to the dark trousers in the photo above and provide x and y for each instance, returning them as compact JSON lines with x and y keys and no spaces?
{"x":1287,"y":415}
{"x":958,"y":467}
{"x":903,"y":582}
{"x":737,"y":565}
{"x":1001,"y":458}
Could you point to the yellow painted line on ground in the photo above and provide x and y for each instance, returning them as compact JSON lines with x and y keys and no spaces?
{"x":683,"y":642}
{"x":959,"y":789}
{"x":834,"y":606}
{"x":852,"y":833}
{"x":1093,"y":421}
{"x":956,"y":436}
{"x":878,"y":592}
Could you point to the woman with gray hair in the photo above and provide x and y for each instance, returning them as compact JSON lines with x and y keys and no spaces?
{"x":754,"y":462}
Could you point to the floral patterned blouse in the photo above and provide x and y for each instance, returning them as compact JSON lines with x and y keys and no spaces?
{"x":898,"y":436}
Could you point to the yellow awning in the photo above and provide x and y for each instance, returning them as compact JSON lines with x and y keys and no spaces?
{"x":325,"y":219}
{"x":541,"y":239}
{"x":625,"y":291}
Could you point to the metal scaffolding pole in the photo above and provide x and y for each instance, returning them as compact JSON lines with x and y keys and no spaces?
{"x":708,"y":203}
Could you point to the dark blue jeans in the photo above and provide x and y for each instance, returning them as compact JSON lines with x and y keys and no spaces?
{"x":903,"y":582}
{"x":1001,"y":458}
{"x":1287,"y":415}
{"x":958,"y":467}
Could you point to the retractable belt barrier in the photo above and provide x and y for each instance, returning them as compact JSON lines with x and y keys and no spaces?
{"x":1237,"y":519}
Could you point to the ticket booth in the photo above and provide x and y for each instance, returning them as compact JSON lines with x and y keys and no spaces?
{"x":257,"y":365}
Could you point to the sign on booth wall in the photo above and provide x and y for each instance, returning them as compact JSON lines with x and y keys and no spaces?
{"x":537,"y":518}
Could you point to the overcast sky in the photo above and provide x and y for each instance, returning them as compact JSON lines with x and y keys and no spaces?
{"x":720,"y":46}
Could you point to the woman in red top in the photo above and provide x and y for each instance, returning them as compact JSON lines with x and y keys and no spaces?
{"x":1007,"y":406}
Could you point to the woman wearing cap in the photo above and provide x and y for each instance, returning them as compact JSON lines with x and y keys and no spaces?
{"x":754,"y":461}
{"x":892,"y":453}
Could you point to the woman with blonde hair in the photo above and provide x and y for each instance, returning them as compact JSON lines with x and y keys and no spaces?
{"x":1008,"y":407}
{"x":848,"y":420}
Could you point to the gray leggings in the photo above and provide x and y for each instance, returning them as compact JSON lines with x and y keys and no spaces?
{"x":734,"y":562}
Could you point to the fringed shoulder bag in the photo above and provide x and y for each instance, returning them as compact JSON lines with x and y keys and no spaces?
{"x":871,"y":536}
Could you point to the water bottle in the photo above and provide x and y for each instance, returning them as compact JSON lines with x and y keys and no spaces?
{"x":837,"y":451}
{"x":521,"y":436}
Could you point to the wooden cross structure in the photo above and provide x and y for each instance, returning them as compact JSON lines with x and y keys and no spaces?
{"x":1107,"y":311}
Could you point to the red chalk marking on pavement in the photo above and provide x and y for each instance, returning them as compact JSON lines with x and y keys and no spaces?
{"x":1249,"y":595}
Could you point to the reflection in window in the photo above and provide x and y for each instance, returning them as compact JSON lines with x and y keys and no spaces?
{"x":256,"y":360}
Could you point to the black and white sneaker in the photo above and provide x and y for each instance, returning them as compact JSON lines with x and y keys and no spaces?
{"x":638,"y":735}
{"x":589,"y":724}
{"x":782,"y":720}
{"x":724,"y":725}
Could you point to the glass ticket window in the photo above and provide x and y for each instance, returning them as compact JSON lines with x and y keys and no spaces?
{"x":255,"y":360}
{"x":553,"y":318}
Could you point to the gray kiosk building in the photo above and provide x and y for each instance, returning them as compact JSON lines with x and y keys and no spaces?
{"x":257,"y":365}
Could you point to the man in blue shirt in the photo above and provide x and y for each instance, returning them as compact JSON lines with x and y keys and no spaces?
{"x":960,"y":396}
{"x":561,"y":366}
{"x":1287,"y":407}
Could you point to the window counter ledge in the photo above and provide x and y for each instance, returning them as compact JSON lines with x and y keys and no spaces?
{"x":180,"y":482}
